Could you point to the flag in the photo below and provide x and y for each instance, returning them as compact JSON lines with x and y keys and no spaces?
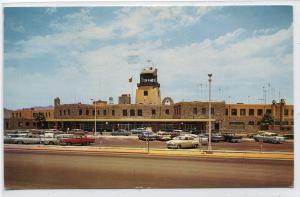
{"x":130,"y":79}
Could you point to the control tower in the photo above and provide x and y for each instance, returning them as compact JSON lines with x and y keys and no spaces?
{"x":148,"y":91}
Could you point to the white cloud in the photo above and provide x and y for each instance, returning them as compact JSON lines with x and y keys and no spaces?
{"x":51,"y":10}
{"x":16,"y":27}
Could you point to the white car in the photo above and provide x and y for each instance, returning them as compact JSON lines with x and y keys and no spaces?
{"x":183,"y":142}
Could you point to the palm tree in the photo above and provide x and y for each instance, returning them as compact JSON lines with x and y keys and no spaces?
{"x":266,"y":120}
{"x":40,"y":120}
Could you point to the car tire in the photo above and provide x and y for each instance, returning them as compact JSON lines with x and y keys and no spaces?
{"x":69,"y":144}
{"x":20,"y":142}
{"x":196,"y":146}
{"x":179,"y":146}
{"x":51,"y":143}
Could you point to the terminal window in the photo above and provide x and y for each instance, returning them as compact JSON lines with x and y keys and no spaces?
{"x":259,"y":112}
{"x":286,"y":112}
{"x":124,"y":112}
{"x":132,"y":112}
{"x":140,"y":112}
{"x":104,"y":112}
{"x":203,"y":110}
{"x":233,"y":112}
{"x":153,"y":112}
{"x":87,"y":112}
{"x":243,"y":112}
{"x":113,"y":112}
{"x":80,"y":112}
{"x":268,"y":111}
{"x":195,"y":110}
{"x":167,"y":111}
{"x":251,"y":112}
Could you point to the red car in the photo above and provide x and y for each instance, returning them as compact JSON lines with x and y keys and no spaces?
{"x":77,"y":140}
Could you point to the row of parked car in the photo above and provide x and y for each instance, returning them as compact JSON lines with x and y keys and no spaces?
{"x":48,"y":139}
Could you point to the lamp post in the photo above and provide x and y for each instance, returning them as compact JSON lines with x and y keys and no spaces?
{"x":95,"y":132}
{"x":209,"y":112}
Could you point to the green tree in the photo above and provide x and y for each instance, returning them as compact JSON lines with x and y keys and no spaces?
{"x":266,"y":120}
{"x":40,"y":120}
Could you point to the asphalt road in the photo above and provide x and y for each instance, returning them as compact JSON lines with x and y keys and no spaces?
{"x":30,"y":170}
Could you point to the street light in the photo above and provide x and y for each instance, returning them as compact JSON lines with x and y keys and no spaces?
{"x":95,"y":132}
{"x":209,"y":112}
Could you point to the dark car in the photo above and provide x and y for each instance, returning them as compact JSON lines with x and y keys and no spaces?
{"x":147,"y":136}
{"x":175,"y":133}
{"x":228,"y":136}
{"x":217,"y":138}
{"x":231,"y":137}
{"x":120,"y":132}
{"x":137,"y":130}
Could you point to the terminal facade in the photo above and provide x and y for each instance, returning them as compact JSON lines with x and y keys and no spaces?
{"x":150,"y":110}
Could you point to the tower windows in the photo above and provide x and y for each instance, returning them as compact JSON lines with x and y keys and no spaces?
{"x":140,"y":112}
{"x":195,"y":110}
{"x":251,"y":112}
{"x":132,"y":112}
{"x":167,"y":111}
{"x":153,"y":111}
{"x":145,"y":93}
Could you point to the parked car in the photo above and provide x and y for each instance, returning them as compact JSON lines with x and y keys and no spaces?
{"x":121,"y":132}
{"x":203,"y":140}
{"x":183,"y":142}
{"x":49,"y":139}
{"x":137,"y":130}
{"x":147,"y":136}
{"x":232,"y":137}
{"x":12,"y":137}
{"x":77,"y":140}
{"x":289,"y":136}
{"x":29,"y":139}
{"x":163,"y":136}
{"x":175,"y":133}
{"x":273,"y":138}
{"x":217,"y":138}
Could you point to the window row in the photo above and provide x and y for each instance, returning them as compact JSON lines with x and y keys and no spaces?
{"x":16,"y":115}
{"x":253,"y":112}
{"x":251,"y":122}
{"x":125,"y":112}
{"x":203,"y":110}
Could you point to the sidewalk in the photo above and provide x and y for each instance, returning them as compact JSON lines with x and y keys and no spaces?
{"x":158,"y":152}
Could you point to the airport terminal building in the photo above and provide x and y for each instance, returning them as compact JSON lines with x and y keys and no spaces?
{"x":150,"y":110}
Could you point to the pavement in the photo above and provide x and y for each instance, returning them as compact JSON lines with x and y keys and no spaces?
{"x":44,"y":169}
{"x":192,"y":153}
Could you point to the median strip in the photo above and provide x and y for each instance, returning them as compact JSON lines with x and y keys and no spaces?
{"x":157,"y":152}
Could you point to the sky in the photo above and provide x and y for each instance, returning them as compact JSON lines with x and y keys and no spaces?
{"x":84,"y":53}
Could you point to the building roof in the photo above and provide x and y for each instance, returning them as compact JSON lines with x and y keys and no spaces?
{"x":150,"y":70}
{"x":130,"y":120}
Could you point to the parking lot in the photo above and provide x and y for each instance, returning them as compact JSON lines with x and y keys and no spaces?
{"x":134,"y":142}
